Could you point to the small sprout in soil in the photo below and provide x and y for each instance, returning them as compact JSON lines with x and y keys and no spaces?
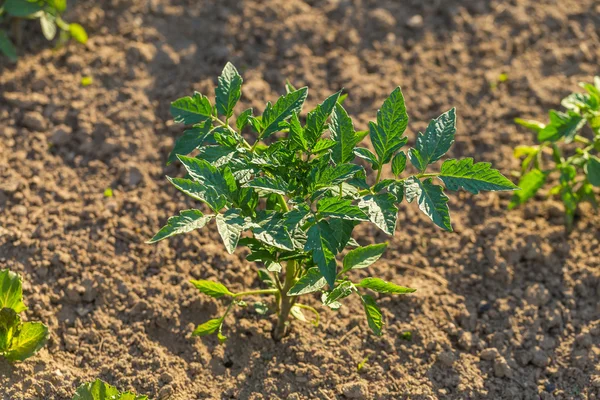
{"x":18,"y":340}
{"x":87,"y":81}
{"x":48,"y":12}
{"x":569,"y":149}
{"x":362,"y":364}
{"x":406,"y":336}
{"x":294,"y":196}
{"x":99,"y":390}
{"x":108,"y":192}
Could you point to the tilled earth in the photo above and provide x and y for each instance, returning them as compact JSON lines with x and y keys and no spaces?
{"x":507,"y":306}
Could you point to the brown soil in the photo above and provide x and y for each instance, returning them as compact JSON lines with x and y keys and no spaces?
{"x":518,"y":318}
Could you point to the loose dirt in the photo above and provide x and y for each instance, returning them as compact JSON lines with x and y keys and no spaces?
{"x":519,"y":315}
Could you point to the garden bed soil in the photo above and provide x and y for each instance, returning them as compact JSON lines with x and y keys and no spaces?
{"x":515,"y":315}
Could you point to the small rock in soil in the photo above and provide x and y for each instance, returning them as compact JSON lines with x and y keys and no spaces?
{"x":446,"y":358}
{"x":61,"y":135}
{"x":131,"y":176}
{"x":501,"y":368}
{"x":537,"y":294}
{"x":415,"y":22}
{"x":489,"y":354}
{"x":540,"y":359}
{"x":355,"y":390}
{"x":34,"y":121}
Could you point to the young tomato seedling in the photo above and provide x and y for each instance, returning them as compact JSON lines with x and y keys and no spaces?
{"x":294,"y":196}
{"x":99,"y":390}
{"x":18,"y":340}
{"x":49,"y":12}
{"x":579,"y":171}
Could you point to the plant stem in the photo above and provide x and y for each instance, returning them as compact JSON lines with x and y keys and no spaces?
{"x":378,"y":174}
{"x":256,"y":292}
{"x":281,"y":329}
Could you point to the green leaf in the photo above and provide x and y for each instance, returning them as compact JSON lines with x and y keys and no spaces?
{"x":78,"y":33}
{"x":191,"y":110}
{"x":59,"y":5}
{"x":200,"y":192}
{"x":265,"y":184}
{"x":381,"y":286}
{"x":473,"y":178}
{"x":367,"y":155}
{"x":342,"y":132}
{"x":397,"y":189}
{"x":207,"y":328}
{"x":202,"y":171}
{"x":593,"y":170}
{"x":340,"y":208}
{"x":321,"y":241}
{"x":530,"y":124}
{"x":213,"y":289}
{"x":561,"y":125}
{"x":342,"y":232}
{"x":435,"y":142}
{"x":228,"y":90}
{"x":217,"y":156}
{"x":11,"y":291}
{"x":374,"y":317}
{"x":381,"y":211}
{"x":191,"y":139}
{"x":322,"y":145}
{"x":186,"y":221}
{"x":392,"y":120}
{"x":30,"y":337}
{"x":7,"y":47}
{"x":297,"y":137}
{"x":21,"y":8}
{"x":271,"y":231}
{"x":312,"y":281}
{"x":99,"y":390}
{"x":343,"y":290}
{"x":333,"y":175}
{"x":431,"y":199}
{"x":530,"y":183}
{"x":362,"y":257}
{"x":9,"y":324}
{"x":317,"y":118}
{"x":230,"y":225}
{"x":398,"y":163}
{"x":242,"y":119}
{"x":283,"y":109}
{"x":48,"y":25}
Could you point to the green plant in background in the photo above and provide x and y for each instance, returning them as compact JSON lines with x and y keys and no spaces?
{"x":18,"y":340}
{"x":99,"y":390}
{"x":49,"y":12}
{"x":579,"y":171}
{"x":294,"y":196}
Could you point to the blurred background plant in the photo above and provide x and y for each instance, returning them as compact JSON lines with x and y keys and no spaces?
{"x":48,"y":12}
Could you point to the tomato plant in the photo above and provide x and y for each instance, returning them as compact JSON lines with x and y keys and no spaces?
{"x":571,"y":140}
{"x":99,"y":390}
{"x":294,"y":196}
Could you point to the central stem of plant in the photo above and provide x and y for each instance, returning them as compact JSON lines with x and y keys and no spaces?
{"x":286,"y":302}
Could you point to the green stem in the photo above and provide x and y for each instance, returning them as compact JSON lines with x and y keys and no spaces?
{"x":378,"y":174}
{"x":419,"y":176}
{"x":581,"y":139}
{"x":62,"y":24}
{"x":281,"y":329}
{"x":226,"y":125}
{"x":256,"y":292}
{"x":282,"y":203}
